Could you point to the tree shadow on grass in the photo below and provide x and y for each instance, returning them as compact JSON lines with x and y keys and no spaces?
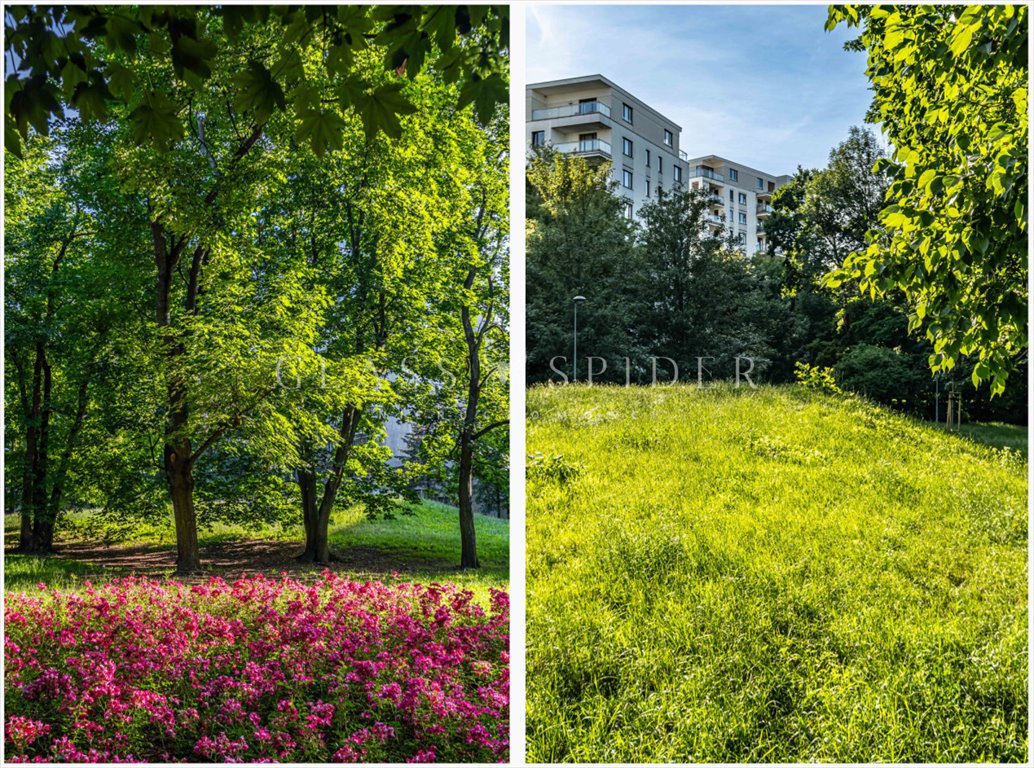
{"x":77,"y":562}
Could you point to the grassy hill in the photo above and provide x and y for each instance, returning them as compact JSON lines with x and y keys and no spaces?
{"x":771,"y":575}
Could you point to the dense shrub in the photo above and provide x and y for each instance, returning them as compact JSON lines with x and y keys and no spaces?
{"x":261,"y":670}
{"x":883,"y":375}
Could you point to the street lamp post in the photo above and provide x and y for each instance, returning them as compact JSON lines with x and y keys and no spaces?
{"x":577,"y":301}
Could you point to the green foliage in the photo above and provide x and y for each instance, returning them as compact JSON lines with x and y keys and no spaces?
{"x":71,"y":303}
{"x":669,"y":285}
{"x":91,"y":59}
{"x":820,"y":219}
{"x":305,"y":178}
{"x":884,"y":375}
{"x":817,"y":377}
{"x":578,"y":244}
{"x":698,"y":296}
{"x":554,"y":467}
{"x":771,"y":576}
{"x":951,"y":94}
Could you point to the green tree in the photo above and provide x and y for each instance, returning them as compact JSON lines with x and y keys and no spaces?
{"x":224,"y":312}
{"x":69,"y":300}
{"x":372,"y":225}
{"x":579,"y":243}
{"x":951,"y":95}
{"x":700,"y":297}
{"x":842,"y":202}
{"x":89,"y":58}
{"x":483,"y":316}
{"x":462,"y":379}
{"x":820,"y":218}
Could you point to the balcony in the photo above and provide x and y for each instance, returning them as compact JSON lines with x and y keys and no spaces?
{"x":764,"y":209}
{"x":715,"y":199}
{"x":576,"y":118}
{"x":715,"y":219}
{"x":570,"y":110}
{"x":585,"y":147}
{"x":683,"y":155}
{"x":707,"y":173}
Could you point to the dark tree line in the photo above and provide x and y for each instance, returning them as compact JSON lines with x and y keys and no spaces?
{"x":672,"y":285}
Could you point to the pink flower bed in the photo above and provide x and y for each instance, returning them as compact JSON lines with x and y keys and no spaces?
{"x":261,"y":670}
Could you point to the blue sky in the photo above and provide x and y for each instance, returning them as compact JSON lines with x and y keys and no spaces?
{"x":764,"y":85}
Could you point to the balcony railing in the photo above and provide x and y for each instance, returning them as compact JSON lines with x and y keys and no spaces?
{"x":683,"y":155}
{"x":764,"y":209}
{"x":713,"y":218}
{"x":706,"y":173}
{"x":585,"y":146}
{"x":570,"y":110}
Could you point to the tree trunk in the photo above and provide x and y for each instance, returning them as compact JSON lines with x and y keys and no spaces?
{"x":178,"y":459}
{"x":26,"y":544}
{"x":317,"y":520}
{"x":42,"y":525}
{"x":179,"y":472}
{"x":307,"y":486}
{"x":57,"y":489}
{"x":321,"y":541}
{"x":468,"y":538}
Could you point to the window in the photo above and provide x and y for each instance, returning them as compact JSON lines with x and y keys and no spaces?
{"x":734,"y":175}
{"x":742,"y":240}
{"x":538,"y":138}
{"x":628,"y":209}
{"x":761,"y":183}
{"x":669,"y":138}
{"x":743,"y":218}
{"x":771,"y":186}
{"x":626,"y":178}
{"x":587,"y":106}
{"x":626,"y":147}
{"x":677,"y":172}
{"x":732,"y":195}
{"x":743,"y":198}
{"x":660,"y":164}
{"x":647,"y":159}
{"x":626,"y":113}
{"x":647,"y":187}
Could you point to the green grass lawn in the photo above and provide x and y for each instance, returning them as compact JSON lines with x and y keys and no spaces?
{"x":999,"y":435}
{"x":428,"y":540}
{"x":23,"y":572}
{"x":423,"y":546}
{"x":771,"y":575}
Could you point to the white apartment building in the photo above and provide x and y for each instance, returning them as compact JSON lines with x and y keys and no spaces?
{"x":741,"y":197}
{"x":592,"y":117}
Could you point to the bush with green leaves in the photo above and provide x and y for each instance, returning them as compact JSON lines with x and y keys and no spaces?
{"x":950,"y":92}
{"x":884,"y":375}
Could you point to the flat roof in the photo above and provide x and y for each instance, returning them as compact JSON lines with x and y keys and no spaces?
{"x":719,"y":160}
{"x":572,"y":84}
